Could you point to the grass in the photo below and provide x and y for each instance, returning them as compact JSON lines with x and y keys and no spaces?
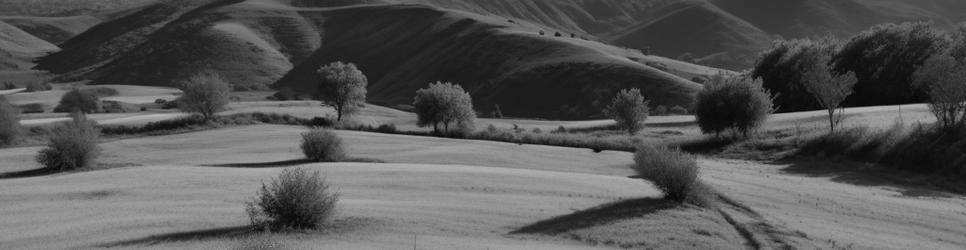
{"x":920,"y":149}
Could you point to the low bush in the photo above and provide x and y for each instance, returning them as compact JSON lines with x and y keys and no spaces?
{"x":71,"y":145}
{"x":672,"y":171}
{"x":321,"y":145}
{"x":32,"y":108}
{"x":10,"y":129}
{"x":296,"y":199}
{"x":38,"y":86}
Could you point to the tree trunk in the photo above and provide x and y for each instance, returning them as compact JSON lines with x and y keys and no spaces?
{"x":831,"y":119}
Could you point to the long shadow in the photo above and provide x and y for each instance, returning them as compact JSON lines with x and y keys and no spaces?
{"x":285,"y":163}
{"x":27,"y":173}
{"x":597,"y":216}
{"x":185,"y":236}
{"x":866,"y":174}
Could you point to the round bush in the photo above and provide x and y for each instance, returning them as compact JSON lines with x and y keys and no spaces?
{"x":71,"y":145}
{"x":80,"y":101}
{"x":297,"y":199}
{"x":732,"y":103}
{"x":321,"y":145}
{"x":673,"y":172}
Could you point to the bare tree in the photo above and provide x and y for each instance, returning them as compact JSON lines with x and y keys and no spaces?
{"x":629,"y":109}
{"x":206,"y":93}
{"x":343,"y":87}
{"x":828,"y":88}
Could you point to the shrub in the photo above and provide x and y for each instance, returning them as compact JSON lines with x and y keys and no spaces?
{"x":160,"y":101}
{"x":672,"y":171}
{"x":387,"y":128}
{"x":70,"y":145}
{"x":31,"y":108}
{"x":296,"y":199}
{"x":629,"y":109}
{"x":678,"y":110}
{"x":445,"y":104}
{"x":732,"y":103}
{"x":536,"y":131}
{"x":10,"y":128}
{"x":205,"y":93}
{"x":39,"y":86}
{"x":9,"y":86}
{"x":343,"y":86}
{"x":80,"y":101}
{"x":322,"y":145}
{"x":660,"y":110}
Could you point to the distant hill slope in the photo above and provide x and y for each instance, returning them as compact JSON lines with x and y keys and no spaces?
{"x":55,"y":30}
{"x":260,"y":43}
{"x":62,"y":8}
{"x":720,"y":33}
{"x":17,"y":48}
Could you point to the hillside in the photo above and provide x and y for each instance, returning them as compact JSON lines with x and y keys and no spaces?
{"x":17,"y":48}
{"x":400,"y":47}
{"x":54,"y":30}
{"x":720,"y":33}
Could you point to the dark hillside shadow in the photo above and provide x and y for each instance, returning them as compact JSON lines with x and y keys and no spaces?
{"x":867,"y":174}
{"x":598,"y":215}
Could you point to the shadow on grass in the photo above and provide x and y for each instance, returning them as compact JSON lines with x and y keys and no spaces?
{"x":27,"y":173}
{"x":205,"y":234}
{"x":286,"y":163}
{"x":867,"y":174}
{"x":598,"y":215}
{"x":338,"y":226}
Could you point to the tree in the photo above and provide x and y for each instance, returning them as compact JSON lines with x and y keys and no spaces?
{"x":629,"y":109}
{"x":79,"y":100}
{"x":206,"y":93}
{"x":944,"y":79}
{"x":735,"y":103}
{"x":780,"y":69}
{"x":444,"y":104}
{"x":9,"y":123}
{"x":343,"y":86}
{"x":828,"y":88}
{"x":884,"y":59}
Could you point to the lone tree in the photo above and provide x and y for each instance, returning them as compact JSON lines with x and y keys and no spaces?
{"x":9,"y":123}
{"x":629,"y":109}
{"x":444,"y":104}
{"x":735,"y":103}
{"x":79,"y":100}
{"x":206,"y":93}
{"x":828,"y":88}
{"x":343,"y":87}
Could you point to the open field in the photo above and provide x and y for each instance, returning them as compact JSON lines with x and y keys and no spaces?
{"x":186,"y":186}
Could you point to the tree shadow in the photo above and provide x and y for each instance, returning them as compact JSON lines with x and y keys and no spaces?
{"x":598,"y":215}
{"x":27,"y":173}
{"x":337,"y":226}
{"x":286,"y":163}
{"x":204,"y":234}
{"x":874,"y":175}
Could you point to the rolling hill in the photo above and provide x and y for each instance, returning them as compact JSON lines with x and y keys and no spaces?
{"x":401,"y":47}
{"x":17,"y":48}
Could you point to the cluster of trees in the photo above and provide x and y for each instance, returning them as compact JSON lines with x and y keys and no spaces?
{"x":882,"y":59}
{"x":885,"y":65}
